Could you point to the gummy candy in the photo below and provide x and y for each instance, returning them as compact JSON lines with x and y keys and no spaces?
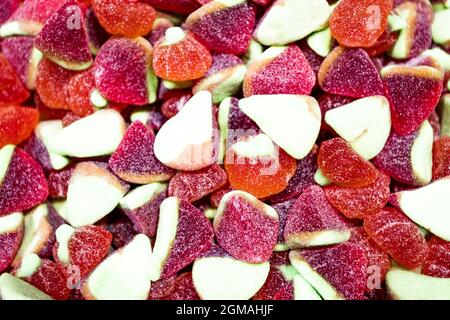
{"x":79,"y":91}
{"x":97,"y":35}
{"x":263,"y":175}
{"x":179,"y":57}
{"x":183,"y":288}
{"x":207,"y":25}
{"x":19,"y":52}
{"x":246,"y":227}
{"x":124,"y":18}
{"x":441,"y":158}
{"x":282,"y":208}
{"x":7,"y":8}
{"x":398,"y":236}
{"x":360,"y":202}
{"x":280,"y":70}
{"x":16,"y":124}
{"x":351,"y":73}
{"x":159,"y":28}
{"x":344,"y":167}
{"x":194,"y":185}
{"x":10,"y":238}
{"x":359,"y":23}
{"x":183,"y":7}
{"x":437,"y":263}
{"x":276,"y":287}
{"x":12,"y":90}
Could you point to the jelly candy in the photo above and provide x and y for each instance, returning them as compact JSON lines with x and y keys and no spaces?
{"x":441,"y":158}
{"x":16,"y":124}
{"x":7,"y":8}
{"x":79,"y":91}
{"x":12,"y":90}
{"x":97,"y":35}
{"x":437,"y":263}
{"x":11,"y":234}
{"x":183,"y":7}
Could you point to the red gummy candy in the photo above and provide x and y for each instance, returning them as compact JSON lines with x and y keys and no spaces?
{"x":276,"y":287}
{"x":16,"y":124}
{"x":282,"y":208}
{"x":12,"y":91}
{"x":356,"y":203}
{"x":58,"y":182}
{"x":359,"y":23}
{"x":194,"y":185}
{"x":125,"y":18}
{"x":398,"y":236}
{"x":343,"y":166}
{"x":18,"y":52}
{"x":7,"y":7}
{"x":51,"y":84}
{"x":441,"y":158}
{"x":222,"y":28}
{"x":9,"y":245}
{"x":183,"y":7}
{"x":437,"y":263}
{"x":184,"y":288}
{"x":184,"y":60}
{"x":79,"y":91}
{"x":24,"y":184}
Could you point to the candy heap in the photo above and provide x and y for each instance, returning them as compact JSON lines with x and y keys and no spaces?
{"x":224,"y":149}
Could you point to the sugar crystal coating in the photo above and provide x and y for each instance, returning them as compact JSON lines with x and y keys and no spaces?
{"x":9,"y":245}
{"x":398,"y":236}
{"x":276,"y":287}
{"x":18,"y":52}
{"x":79,"y":91}
{"x":182,"y":7}
{"x":184,"y":288}
{"x":437,"y":263}
{"x":282,"y":208}
{"x":16,"y":124}
{"x":441,"y":158}
{"x":12,"y":91}
{"x":7,"y":8}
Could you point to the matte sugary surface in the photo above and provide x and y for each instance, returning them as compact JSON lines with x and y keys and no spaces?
{"x":193,"y":238}
{"x":288,"y":73}
{"x":63,"y":37}
{"x":310,"y":214}
{"x":303,"y":178}
{"x":173,"y":105}
{"x":328,"y":102}
{"x":7,"y":7}
{"x":217,"y":195}
{"x":378,"y":261}
{"x":282,"y":208}
{"x":245,"y":230}
{"x":276,"y":287}
{"x":398,"y":236}
{"x":158,"y":30}
{"x":183,"y":7}
{"x":351,"y":73}
{"x":356,"y":203}
{"x":124,"y":18}
{"x":239,"y":122}
{"x":36,"y":148}
{"x":395,"y":158}
{"x":120,"y":71}
{"x":222,"y":61}
{"x":343,"y":166}
{"x":261,"y":177}
{"x":49,"y":278}
{"x":162,"y":288}
{"x":344,"y":266}
{"x":16,"y":124}
{"x":58,"y":182}
{"x":122,"y":231}
{"x":87,"y":248}
{"x":406,"y":84}
{"x":441,"y":158}
{"x":79,"y":90}
{"x":51,"y":84}
{"x":185,"y":60}
{"x":437,"y":263}
{"x":9,"y":245}
{"x":145,"y":218}
{"x":70,"y":118}
{"x":194,"y":185}
{"x":35,"y":10}
{"x":134,"y":160}
{"x":384,"y":43}
{"x":12,"y":91}
{"x":24,"y":185}
{"x":18,"y":52}
{"x":223,"y":29}
{"x":359,"y":23}
{"x":184,"y":288}
{"x":97,"y":35}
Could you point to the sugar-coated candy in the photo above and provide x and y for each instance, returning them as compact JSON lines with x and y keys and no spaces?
{"x":437,"y":262}
{"x":7,"y":8}
{"x":12,"y":91}
{"x":183,"y":7}
{"x":441,"y":158}
{"x":11,"y":234}
{"x":16,"y":124}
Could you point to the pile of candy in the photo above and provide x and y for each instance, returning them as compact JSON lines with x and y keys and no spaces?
{"x":224,"y":149}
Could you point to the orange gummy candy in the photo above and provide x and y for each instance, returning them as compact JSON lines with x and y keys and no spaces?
{"x":343,"y":166}
{"x":180,"y":60}
{"x":125,"y":18}
{"x":16,"y":124}
{"x":359,"y":23}
{"x":79,"y":92}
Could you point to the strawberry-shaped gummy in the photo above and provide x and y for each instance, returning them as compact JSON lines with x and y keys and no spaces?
{"x":11,"y":234}
{"x":276,"y":287}
{"x":217,"y":195}
{"x":22,"y":181}
{"x":207,"y":25}
{"x":256,"y":165}
{"x":7,"y":8}
{"x":179,"y":57}
{"x":246,"y":227}
{"x":58,"y":182}
{"x":441,"y":158}
{"x":356,"y":203}
{"x":398,"y":236}
{"x":194,"y":185}
{"x":81,"y":250}
{"x":125,"y":18}
{"x":282,"y":208}
{"x":51,"y":84}
{"x":343,"y":166}
{"x":183,"y":7}
{"x":12,"y":91}
{"x":134,"y":159}
{"x":280,"y":70}
{"x":343,"y":266}
{"x":384,"y":43}
{"x":183,"y":288}
{"x":79,"y":90}
{"x":97,"y":35}
{"x":122,"y":71}
{"x":16,"y":124}
{"x":359,"y":23}
{"x":437,"y":263}
{"x":351,"y":73}
{"x":63,"y":39}
{"x":421,"y":84}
